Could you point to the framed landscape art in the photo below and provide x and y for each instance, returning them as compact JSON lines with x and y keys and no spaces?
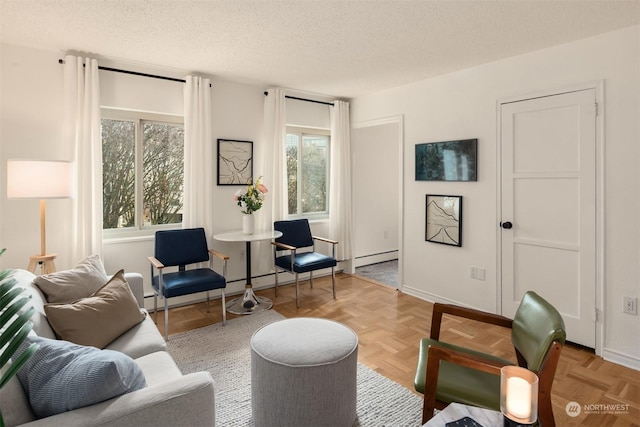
{"x":444,"y":219}
{"x":235,"y":162}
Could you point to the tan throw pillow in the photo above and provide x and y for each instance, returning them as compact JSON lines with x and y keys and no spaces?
{"x":99,"y":319}
{"x":69,"y":285}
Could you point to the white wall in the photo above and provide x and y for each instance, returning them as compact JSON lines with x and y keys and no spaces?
{"x":31,"y":117}
{"x":463,"y":105}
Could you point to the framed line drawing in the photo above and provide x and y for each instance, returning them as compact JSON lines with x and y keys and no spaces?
{"x":444,"y":219}
{"x":235,"y":162}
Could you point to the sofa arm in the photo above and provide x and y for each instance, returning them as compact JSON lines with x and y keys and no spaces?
{"x":136,"y":285}
{"x":185,"y":401}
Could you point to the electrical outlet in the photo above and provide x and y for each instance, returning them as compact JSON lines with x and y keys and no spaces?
{"x":477,"y":273}
{"x":630,"y":305}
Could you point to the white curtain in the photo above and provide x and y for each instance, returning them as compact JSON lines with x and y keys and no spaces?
{"x":269,"y":159}
{"x":82,"y":124}
{"x":340,"y":181}
{"x":198,"y":155}
{"x":271,"y":152}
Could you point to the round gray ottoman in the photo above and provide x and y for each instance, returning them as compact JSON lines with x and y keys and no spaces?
{"x":304,"y":373}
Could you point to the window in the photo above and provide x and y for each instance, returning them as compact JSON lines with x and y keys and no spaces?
{"x":307,"y":158}
{"x":142,"y":170}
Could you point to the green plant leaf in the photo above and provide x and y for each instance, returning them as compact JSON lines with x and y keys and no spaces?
{"x":14,"y":330}
{"x":17,"y":364}
{"x":14,"y":344}
{"x":11,"y":306}
{"x":6,"y":286}
{"x":15,"y":326}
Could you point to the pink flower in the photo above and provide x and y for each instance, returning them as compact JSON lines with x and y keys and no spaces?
{"x":262,"y":188}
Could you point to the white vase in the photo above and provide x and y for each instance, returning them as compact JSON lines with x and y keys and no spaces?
{"x":248,"y":223}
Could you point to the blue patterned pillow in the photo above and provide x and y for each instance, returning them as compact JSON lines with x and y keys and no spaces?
{"x":62,"y":376}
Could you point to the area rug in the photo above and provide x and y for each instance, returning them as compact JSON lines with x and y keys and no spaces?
{"x":224,"y":351}
{"x":384,"y":272}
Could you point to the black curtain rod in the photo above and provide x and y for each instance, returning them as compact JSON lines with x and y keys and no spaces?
{"x":304,"y":99}
{"x":135,"y":73}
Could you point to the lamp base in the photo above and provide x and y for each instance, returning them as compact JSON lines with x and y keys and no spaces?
{"x":510,"y":423}
{"x":46,"y":263}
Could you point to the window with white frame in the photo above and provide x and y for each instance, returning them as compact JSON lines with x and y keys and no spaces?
{"x":142,"y":170}
{"x":307,"y":160}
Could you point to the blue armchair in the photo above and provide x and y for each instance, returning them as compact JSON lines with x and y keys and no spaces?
{"x":296,"y":236}
{"x":179,"y":248}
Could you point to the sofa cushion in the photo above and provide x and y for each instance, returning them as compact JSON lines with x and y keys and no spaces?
{"x":62,"y":376}
{"x":143,"y":338}
{"x":158,"y":367}
{"x":69,"y":285}
{"x":99,"y":319}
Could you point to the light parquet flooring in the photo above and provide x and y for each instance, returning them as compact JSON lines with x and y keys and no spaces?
{"x":390,"y":325}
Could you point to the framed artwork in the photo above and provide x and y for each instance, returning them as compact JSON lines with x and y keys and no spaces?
{"x":235,"y":162}
{"x":447,"y":161}
{"x":444,"y":219}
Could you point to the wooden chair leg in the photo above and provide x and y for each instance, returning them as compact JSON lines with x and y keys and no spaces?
{"x":208,"y":302}
{"x":311,"y":279}
{"x":276,"y":281}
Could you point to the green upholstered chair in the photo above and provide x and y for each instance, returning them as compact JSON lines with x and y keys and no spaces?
{"x":449,"y":373}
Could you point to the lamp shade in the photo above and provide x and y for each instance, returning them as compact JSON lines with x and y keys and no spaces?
{"x":40,"y":179}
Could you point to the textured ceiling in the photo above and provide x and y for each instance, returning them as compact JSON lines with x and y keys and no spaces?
{"x":338,"y":48}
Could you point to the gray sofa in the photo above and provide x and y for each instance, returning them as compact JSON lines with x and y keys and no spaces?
{"x":170,"y":398}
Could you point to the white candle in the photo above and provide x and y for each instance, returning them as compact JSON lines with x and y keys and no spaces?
{"x":518,"y":397}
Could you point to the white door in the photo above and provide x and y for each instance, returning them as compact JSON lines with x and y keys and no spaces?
{"x":548,"y":213}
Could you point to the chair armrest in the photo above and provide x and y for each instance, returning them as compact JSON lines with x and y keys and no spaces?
{"x":219,"y":254}
{"x":438,"y":354}
{"x":224,"y":259}
{"x":155,"y":262}
{"x":468,"y":313}
{"x":324,"y":239}
{"x":283,"y":246}
{"x":188,"y":400}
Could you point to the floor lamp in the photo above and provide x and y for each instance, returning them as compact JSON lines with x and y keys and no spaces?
{"x":40,"y":179}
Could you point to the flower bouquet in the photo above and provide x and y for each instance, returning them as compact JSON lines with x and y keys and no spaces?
{"x":251,"y":199}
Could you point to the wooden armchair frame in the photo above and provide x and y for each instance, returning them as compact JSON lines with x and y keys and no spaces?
{"x":437,"y":354}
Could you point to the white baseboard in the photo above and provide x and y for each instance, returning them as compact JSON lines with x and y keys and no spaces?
{"x":625,"y":360}
{"x":375,"y":258}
